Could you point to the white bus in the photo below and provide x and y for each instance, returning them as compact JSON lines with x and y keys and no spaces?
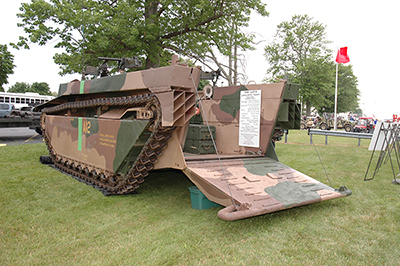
{"x":24,"y":99}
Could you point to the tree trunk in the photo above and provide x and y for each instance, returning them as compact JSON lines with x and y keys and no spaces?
{"x":230,"y":83}
{"x":153,"y":54}
{"x":308,"y":108}
{"x":152,"y":64}
{"x":235,"y":58}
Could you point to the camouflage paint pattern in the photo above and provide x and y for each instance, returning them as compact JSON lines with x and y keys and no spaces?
{"x":102,"y":143}
{"x":249,"y":183}
{"x":259,"y":185}
{"x":340,"y":124}
{"x":157,"y":80}
{"x":223,"y":112}
{"x":98,"y":137}
{"x":173,"y":85}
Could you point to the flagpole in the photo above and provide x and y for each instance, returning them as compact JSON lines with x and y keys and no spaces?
{"x":336,"y":84}
{"x":341,"y":58}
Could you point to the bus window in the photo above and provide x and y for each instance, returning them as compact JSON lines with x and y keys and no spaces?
{"x":7,"y":99}
{"x":1,"y":99}
{"x":17,"y":100}
{"x":22,"y":100}
{"x":12,"y":100}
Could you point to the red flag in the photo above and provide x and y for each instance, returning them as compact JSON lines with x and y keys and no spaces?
{"x":342,"y":56}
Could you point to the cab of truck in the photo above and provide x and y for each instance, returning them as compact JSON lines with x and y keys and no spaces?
{"x":5,"y":109}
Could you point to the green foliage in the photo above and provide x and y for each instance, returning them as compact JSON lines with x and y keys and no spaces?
{"x":48,"y":218}
{"x":348,"y":93}
{"x":6,"y":65}
{"x":134,"y":28}
{"x":20,"y":87}
{"x":202,"y":83}
{"x":299,"y":53}
{"x":39,"y":87}
{"x":295,"y":42}
{"x":316,"y":81}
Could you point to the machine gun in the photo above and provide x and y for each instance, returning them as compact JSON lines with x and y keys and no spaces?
{"x":124,"y":62}
{"x":213,"y":76}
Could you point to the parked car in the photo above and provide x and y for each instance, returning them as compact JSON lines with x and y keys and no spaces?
{"x":5,"y":109}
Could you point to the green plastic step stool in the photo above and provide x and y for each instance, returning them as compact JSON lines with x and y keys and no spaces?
{"x":199,"y":201}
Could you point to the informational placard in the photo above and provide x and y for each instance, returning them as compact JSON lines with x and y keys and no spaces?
{"x":249,"y":123}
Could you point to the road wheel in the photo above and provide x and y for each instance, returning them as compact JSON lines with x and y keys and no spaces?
{"x":302,"y":126}
{"x":323,"y":126}
{"x":348,"y":128}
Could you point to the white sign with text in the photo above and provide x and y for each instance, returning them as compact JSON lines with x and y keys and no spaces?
{"x":249,"y":123}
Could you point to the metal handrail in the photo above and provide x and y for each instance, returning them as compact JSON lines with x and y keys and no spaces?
{"x":327,"y":133}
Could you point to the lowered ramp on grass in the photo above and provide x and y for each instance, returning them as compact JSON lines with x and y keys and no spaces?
{"x":256,"y":185}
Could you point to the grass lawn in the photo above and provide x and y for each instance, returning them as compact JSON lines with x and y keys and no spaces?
{"x":47,"y":218}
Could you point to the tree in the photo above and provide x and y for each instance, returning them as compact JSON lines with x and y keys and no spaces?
{"x":39,"y":87}
{"x":316,"y":79}
{"x":151,"y":29}
{"x":6,"y":65}
{"x":299,"y":51}
{"x":348,"y":93}
{"x":231,"y":71}
{"x":20,"y":87}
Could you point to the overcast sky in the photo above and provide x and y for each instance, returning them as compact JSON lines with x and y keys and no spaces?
{"x":370,"y":30}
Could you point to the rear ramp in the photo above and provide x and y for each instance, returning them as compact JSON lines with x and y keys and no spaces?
{"x":255,"y":185}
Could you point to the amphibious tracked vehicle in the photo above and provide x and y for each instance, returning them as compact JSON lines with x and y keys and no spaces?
{"x":111,"y":131}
